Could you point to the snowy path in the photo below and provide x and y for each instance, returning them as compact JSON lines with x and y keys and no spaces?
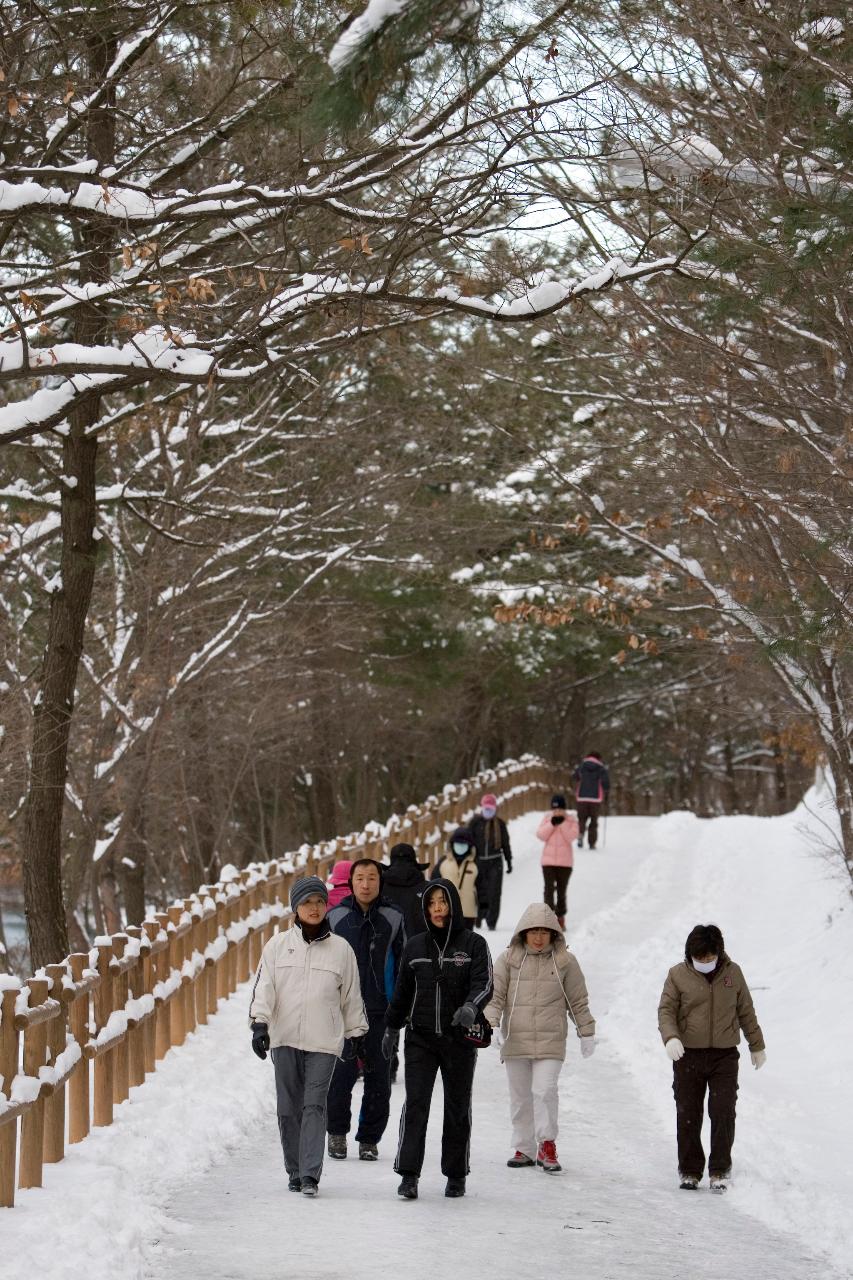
{"x":616,"y":1211}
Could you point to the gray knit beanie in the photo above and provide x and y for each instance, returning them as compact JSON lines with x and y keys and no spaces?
{"x":304,"y":888}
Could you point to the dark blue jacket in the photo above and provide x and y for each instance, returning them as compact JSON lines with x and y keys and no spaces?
{"x":593,"y":781}
{"x":377,"y":936}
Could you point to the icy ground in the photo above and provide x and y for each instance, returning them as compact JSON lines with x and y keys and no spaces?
{"x":188,"y":1183}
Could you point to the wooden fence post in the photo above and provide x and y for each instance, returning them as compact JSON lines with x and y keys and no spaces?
{"x":78,"y":1085}
{"x":187,"y":980}
{"x":54,"y":1107}
{"x":32,"y":1121}
{"x":104,"y":1063}
{"x":8,"y":1070}
{"x":163,"y":1036}
{"x":136,"y":1034}
{"x":149,"y":977}
{"x":120,"y":1054}
{"x":176,"y":960}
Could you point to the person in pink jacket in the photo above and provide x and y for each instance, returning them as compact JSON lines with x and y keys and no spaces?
{"x":339,"y":886}
{"x":559,"y":830}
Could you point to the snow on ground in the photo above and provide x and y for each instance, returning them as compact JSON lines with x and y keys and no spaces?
{"x":188,"y":1182}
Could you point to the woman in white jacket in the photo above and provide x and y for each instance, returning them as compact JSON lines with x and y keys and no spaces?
{"x":538,"y":982}
{"x":306,"y":1006}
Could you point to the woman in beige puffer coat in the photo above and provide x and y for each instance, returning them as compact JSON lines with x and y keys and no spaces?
{"x":538,"y":987}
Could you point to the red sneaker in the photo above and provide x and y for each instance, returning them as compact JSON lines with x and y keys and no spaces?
{"x":547,"y":1157}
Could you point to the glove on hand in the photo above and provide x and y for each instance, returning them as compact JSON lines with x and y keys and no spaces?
{"x":509,"y":868}
{"x":354,"y":1048}
{"x":465,"y":1016}
{"x":675,"y":1049}
{"x":499,"y":1037}
{"x":557,"y":819}
{"x":758,"y":1058}
{"x":587,"y":1046}
{"x":390,"y":1040}
{"x":260,"y":1039}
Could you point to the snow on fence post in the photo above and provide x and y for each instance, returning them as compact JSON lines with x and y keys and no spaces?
{"x":188,"y":973}
{"x":104,"y":1061}
{"x":244,"y":969}
{"x":35,"y":1054}
{"x":8,"y":1116}
{"x":163,"y":1016}
{"x":139,"y":1019}
{"x":177,"y":1033}
{"x":78,"y":1024}
{"x":121,"y":1066}
{"x":54,"y":1107}
{"x":211,"y":933}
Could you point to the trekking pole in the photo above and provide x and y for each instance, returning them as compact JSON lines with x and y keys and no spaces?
{"x":604,"y":832}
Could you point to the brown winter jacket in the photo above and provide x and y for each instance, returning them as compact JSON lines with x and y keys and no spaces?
{"x":533,"y":992}
{"x":708,"y":1015}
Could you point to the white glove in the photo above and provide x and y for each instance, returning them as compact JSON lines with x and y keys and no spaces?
{"x":758,"y":1058}
{"x":675,"y":1049}
{"x":587,"y":1046}
{"x":499,"y":1037}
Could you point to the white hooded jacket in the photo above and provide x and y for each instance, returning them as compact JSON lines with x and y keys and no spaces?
{"x":308,"y":993}
{"x":535,"y":993}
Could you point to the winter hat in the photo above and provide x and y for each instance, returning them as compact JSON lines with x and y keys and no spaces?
{"x":406,"y":853}
{"x":461,"y":836}
{"x":304,"y":888}
{"x":558,"y":801}
{"x":489,"y":801}
{"x":340,"y":874}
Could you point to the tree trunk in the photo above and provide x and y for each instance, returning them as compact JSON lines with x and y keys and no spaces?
{"x":69,"y":605}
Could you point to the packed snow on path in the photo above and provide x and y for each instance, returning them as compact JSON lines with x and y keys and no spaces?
{"x":189,"y":1183}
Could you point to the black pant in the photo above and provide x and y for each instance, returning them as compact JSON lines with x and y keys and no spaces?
{"x":427,"y":1054}
{"x":588,"y":813}
{"x":376,"y":1101}
{"x":490,"y":879}
{"x":556,"y":882}
{"x":716,"y":1071}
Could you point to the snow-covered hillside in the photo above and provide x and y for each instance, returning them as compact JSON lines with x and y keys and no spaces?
{"x":188,"y":1182}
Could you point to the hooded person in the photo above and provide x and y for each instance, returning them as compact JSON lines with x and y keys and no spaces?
{"x":339,"y":887}
{"x":491,"y":839}
{"x":403,"y":883}
{"x":539,"y":989}
{"x":374,"y":928}
{"x":459,"y":866}
{"x":592,"y":787}
{"x":558,"y":830}
{"x":704,"y":1006}
{"x":445,"y":983}
{"x":305,"y":1004}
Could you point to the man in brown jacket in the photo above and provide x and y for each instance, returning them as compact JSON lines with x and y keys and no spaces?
{"x":703,"y":1008}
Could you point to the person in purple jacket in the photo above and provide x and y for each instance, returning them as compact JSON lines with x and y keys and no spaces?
{"x":592,"y":787}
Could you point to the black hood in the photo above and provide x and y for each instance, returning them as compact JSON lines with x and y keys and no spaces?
{"x":457,"y":920}
{"x":403,"y":874}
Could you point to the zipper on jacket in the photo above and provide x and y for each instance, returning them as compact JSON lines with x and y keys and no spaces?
{"x":711,"y":1016}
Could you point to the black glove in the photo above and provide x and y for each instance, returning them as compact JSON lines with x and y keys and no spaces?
{"x":390,"y":1040}
{"x":557,"y":819}
{"x":509,"y":868}
{"x":465,"y":1016}
{"x":260,"y":1039}
{"x":354,"y":1048}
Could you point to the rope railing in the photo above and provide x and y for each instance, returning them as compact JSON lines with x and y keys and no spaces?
{"x":76,"y":1037}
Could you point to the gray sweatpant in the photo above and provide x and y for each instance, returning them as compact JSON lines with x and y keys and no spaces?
{"x":301,"y":1084}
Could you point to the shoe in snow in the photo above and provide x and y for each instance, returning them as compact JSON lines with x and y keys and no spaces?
{"x":580,"y":842}
{"x":561,"y":921}
{"x":520,"y":1161}
{"x":408,"y":1188}
{"x":294,"y":1182}
{"x":368,"y":1151}
{"x":720,"y":1183}
{"x":309,"y":1187}
{"x":547,"y":1157}
{"x":688,"y":1182}
{"x":338,"y":1146}
{"x":455,"y":1188}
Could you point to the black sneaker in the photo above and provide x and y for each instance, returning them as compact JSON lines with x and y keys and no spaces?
{"x":338,"y":1146}
{"x":368,"y":1151}
{"x":580,"y":842}
{"x":455,"y":1188}
{"x":688,"y":1182}
{"x":720,"y":1182}
{"x":408,"y":1188}
{"x":294,"y":1182}
{"x":309,"y":1187}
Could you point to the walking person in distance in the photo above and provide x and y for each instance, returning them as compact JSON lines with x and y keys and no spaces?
{"x":558,"y":830}
{"x":491,"y":840}
{"x":592,"y":787}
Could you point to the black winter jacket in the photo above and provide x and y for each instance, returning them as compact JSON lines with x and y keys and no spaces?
{"x":593,"y":781}
{"x":440,"y":974}
{"x":376,"y":936}
{"x":403,"y":883}
{"x":480,"y":827}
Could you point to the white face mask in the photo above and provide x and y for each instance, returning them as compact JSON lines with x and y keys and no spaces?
{"x":488,"y":811}
{"x":460,"y":849}
{"x":707,"y":966}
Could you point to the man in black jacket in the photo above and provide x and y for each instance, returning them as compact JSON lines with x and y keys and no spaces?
{"x":403,"y":883}
{"x":491,"y":840}
{"x":444,"y":984}
{"x":375,"y":930}
{"x":592,"y":789}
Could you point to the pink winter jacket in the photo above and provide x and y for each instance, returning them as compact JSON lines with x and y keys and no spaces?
{"x":559,"y":848}
{"x":338,"y":884}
